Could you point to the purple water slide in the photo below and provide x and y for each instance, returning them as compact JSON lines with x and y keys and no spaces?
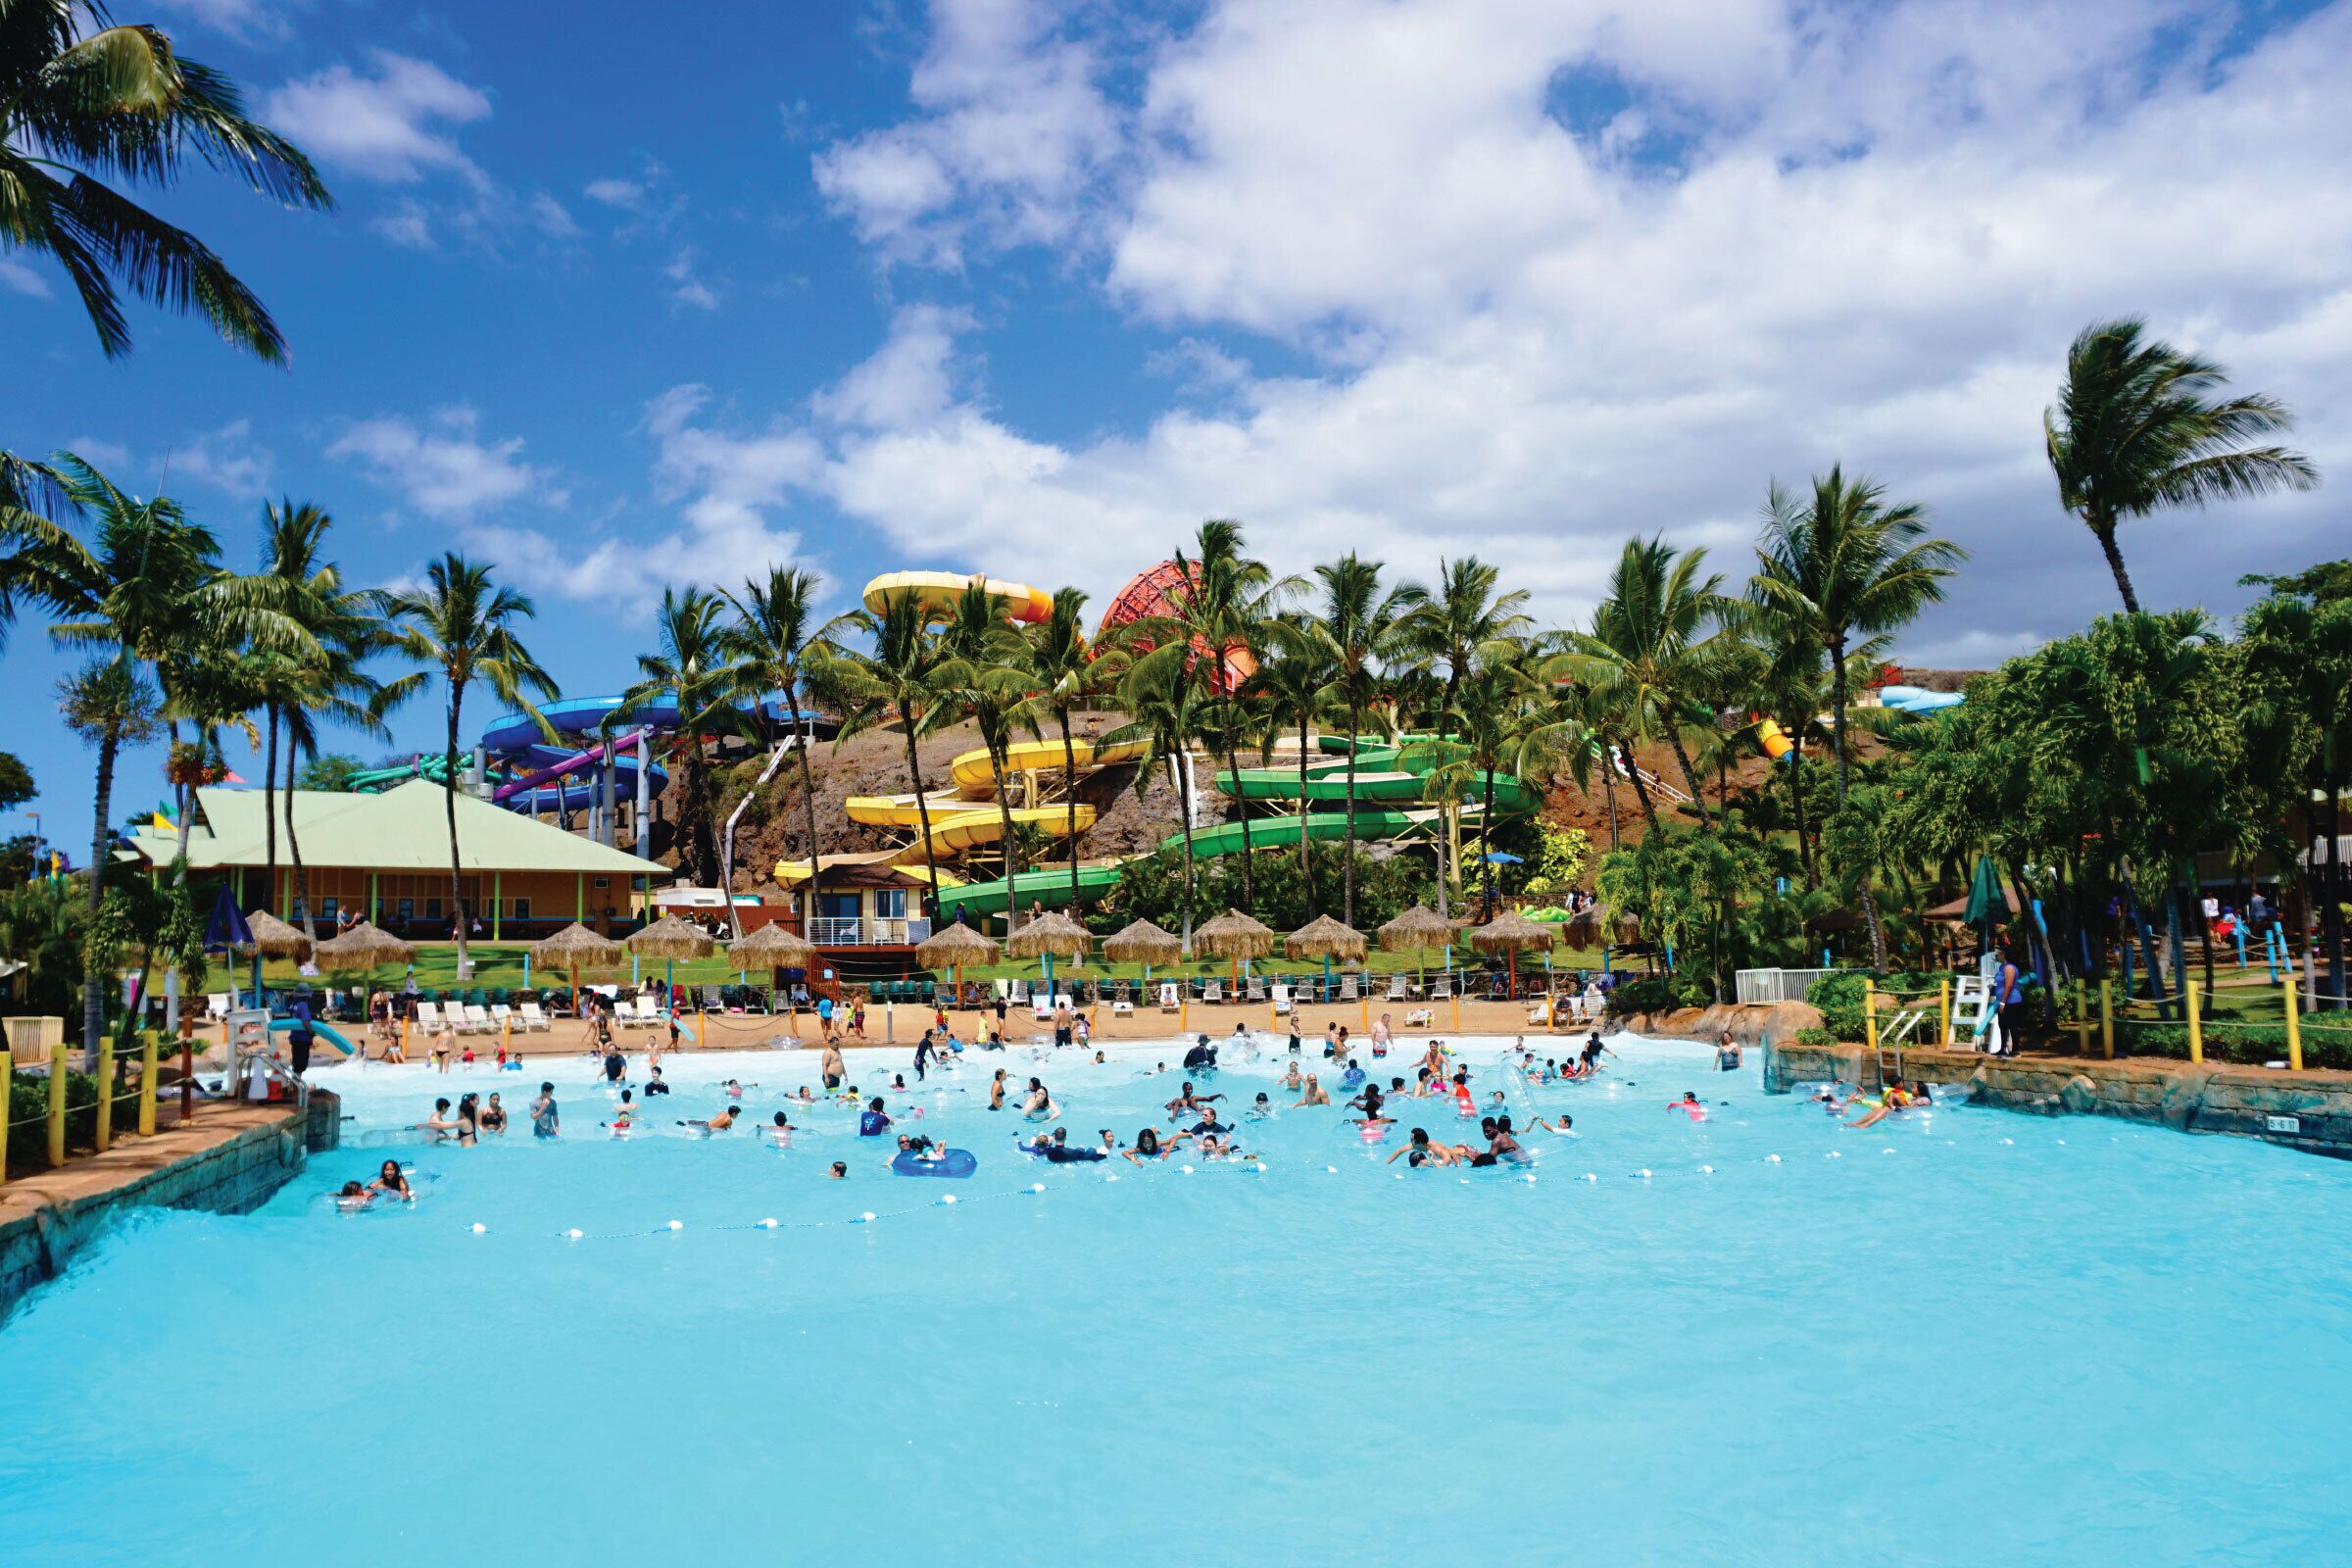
{"x":570,"y":765}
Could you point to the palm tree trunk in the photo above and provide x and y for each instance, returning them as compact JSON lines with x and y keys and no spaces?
{"x":817,"y":876}
{"x":1608,"y":790}
{"x":1184,"y":808}
{"x":269,"y":812}
{"x":1486,"y":842}
{"x":1355,"y":732}
{"x":2104,"y":533}
{"x":2332,"y":924}
{"x":302,"y":877}
{"x":1233,"y":765}
{"x":1306,"y":859}
{"x":1633,"y":771}
{"x":998,"y":756}
{"x":1698,"y":796}
{"x":1796,"y":795}
{"x":449,"y":802}
{"x":1838,"y":708}
{"x":1069,"y":787}
{"x":93,"y":978}
{"x":922,"y":812}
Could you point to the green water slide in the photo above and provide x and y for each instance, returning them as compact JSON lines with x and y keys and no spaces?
{"x":1051,"y":887}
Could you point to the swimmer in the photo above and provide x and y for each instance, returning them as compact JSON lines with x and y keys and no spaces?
{"x":1057,"y":1149}
{"x":1098,"y":1058}
{"x":355,"y":1195}
{"x":1291,"y":1079}
{"x":1419,"y":1152}
{"x":873,"y":1121}
{"x":1434,"y":1062}
{"x":1295,"y":1032}
{"x":718,"y":1123}
{"x":654,"y":1084}
{"x":616,"y":1064}
{"x":1504,"y":1144}
{"x":1352,"y":1077}
{"x":1203,"y":1057}
{"x":1372,"y":1126}
{"x":1727,"y":1053}
{"x":805,"y":1097}
{"x":897,"y":1083}
{"x":625,"y":1115}
{"x":1560,"y":1128}
{"x":494,"y":1116}
{"x":1259,"y":1108}
{"x":1331,"y":1040}
{"x":779,"y":1132}
{"x":840,"y":1171}
{"x":1149,"y":1146}
{"x":392,"y":1180}
{"x":1039,"y":1105}
{"x":1313,"y":1095}
{"x":734,"y":1090}
{"x":544,"y":1123}
{"x":440,"y":1123}
{"x":996,"y":1090}
{"x":1187,"y":1102}
{"x":1688,"y":1105}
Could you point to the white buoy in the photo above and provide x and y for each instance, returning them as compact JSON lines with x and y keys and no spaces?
{"x":575,"y":1234}
{"x":677,"y":1224}
{"x":1036,"y":1186}
{"x":1113,"y":1177}
{"x":477,"y":1227}
{"x":1885,"y":1151}
{"x":2008,"y":1140}
{"x":1642,"y":1174}
{"x":1706,"y":1171}
{"x":1591,"y":1176}
{"x":866,"y":1218}
{"x":767,"y":1224}
{"x":1400,"y":1175}
{"x":1528,"y":1178}
{"x":1834,"y":1155}
{"x":1188,"y":1170}
{"x":1772,"y":1159}
{"x":947,"y":1198}
{"x":1332,"y":1169}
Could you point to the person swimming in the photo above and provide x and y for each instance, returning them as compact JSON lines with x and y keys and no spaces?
{"x":1351,"y":1076}
{"x":1561,"y":1128}
{"x":391,"y":1180}
{"x":625,"y":1115}
{"x":1203,"y":1057}
{"x":1419,"y":1152}
{"x":1688,"y":1105}
{"x":1039,"y":1105}
{"x":873,"y":1121}
{"x":1187,"y":1102}
{"x":778,"y":1131}
{"x":718,"y":1123}
{"x":1313,"y":1094}
{"x":1057,"y":1149}
{"x":1292,"y":1080}
{"x":1260,"y":1108}
{"x":1149,"y":1145}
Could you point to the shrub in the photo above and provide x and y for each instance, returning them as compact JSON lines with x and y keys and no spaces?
{"x":29,"y":1106}
{"x":1839,"y":997}
{"x":1651,"y":995}
{"x":1812,"y":1035}
{"x":2248,"y":1044}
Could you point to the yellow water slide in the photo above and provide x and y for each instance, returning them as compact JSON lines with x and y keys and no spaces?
{"x":975,"y":772}
{"x":966,"y":828}
{"x":936,"y":592}
{"x":902,"y":810}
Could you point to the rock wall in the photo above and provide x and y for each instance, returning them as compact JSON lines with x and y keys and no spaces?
{"x":2307,"y":1111}
{"x":1750,"y":1025}
{"x":233,"y":1177}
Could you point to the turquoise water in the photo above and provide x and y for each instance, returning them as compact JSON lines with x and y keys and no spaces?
{"x":1964,"y":1338}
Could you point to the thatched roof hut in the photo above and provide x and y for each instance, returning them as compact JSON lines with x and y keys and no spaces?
{"x":1417,"y":930}
{"x":1057,"y":934}
{"x":363,"y":947}
{"x":272,"y":938}
{"x":1143,"y":943}
{"x":1234,"y":934}
{"x":1325,"y":937}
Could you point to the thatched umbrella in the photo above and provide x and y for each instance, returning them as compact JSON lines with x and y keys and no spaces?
{"x":1048,"y":936}
{"x":1326,"y":939}
{"x":1143,"y":943}
{"x":670,"y":939}
{"x":1236,"y":936}
{"x":1513,"y":933}
{"x":272,"y":938}
{"x":773,"y":947}
{"x":1416,"y":931}
{"x":952,"y":946}
{"x":573,"y":946}
{"x":363,"y":947}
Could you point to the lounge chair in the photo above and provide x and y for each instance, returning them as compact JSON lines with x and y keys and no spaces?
{"x":1169,"y":1002}
{"x":1396,"y":991}
{"x":1443,"y":991}
{"x":428,"y":1017}
{"x":1214,"y":991}
{"x":1257,"y":991}
{"x":534,"y":1016}
{"x":1347,"y":989}
{"x":1282,"y":998}
{"x":478,"y":1021}
{"x":711,"y":1000}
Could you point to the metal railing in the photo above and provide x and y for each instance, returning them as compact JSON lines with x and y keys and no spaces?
{"x":831,"y":931}
{"x":1763,"y":986}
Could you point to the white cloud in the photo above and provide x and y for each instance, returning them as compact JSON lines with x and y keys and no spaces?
{"x":1562,"y":273}
{"x":908,"y":380}
{"x":248,"y":19}
{"x":1013,"y":132}
{"x":686,"y":285}
{"x":228,"y":459}
{"x":625,"y":194}
{"x":407,"y":224}
{"x":726,"y":483}
{"x":551,"y":216}
{"x":23,"y":279}
{"x":392,"y":123}
{"x":443,"y":470}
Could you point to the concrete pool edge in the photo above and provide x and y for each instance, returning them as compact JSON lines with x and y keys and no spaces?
{"x":231,"y":1161}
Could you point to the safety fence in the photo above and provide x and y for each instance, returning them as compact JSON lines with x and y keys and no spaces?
{"x":46,"y":1098}
{"x":2269,"y":1025}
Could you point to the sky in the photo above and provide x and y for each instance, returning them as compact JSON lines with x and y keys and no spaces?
{"x":1032,"y":289}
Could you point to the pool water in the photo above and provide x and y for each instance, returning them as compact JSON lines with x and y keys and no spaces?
{"x":1962,"y":1337}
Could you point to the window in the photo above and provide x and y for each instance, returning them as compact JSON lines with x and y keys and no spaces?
{"x":839,"y":906}
{"x":601,"y":882}
{"x":522,"y":909}
{"x":408,"y":910}
{"x":432,"y":908}
{"x":890,"y":904}
{"x":327,"y":910}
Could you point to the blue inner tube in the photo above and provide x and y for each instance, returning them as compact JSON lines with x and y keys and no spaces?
{"x":955,"y":1162}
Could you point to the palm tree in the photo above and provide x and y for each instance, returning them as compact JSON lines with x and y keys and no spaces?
{"x":1065,"y":669}
{"x":1356,"y":628}
{"x":1842,"y":562}
{"x":146,"y":586}
{"x":1166,"y":709}
{"x":1290,"y":682}
{"x":79,"y":101}
{"x":32,"y":497}
{"x":461,"y":626}
{"x":1224,"y":598}
{"x":690,"y":669}
{"x":2136,"y":428}
{"x":773,"y":646}
{"x":1451,"y":625}
{"x":907,"y":677}
{"x":989,"y":660}
{"x":1650,"y":653}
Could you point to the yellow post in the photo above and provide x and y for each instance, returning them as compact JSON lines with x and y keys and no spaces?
{"x":2107,"y":1018}
{"x":150,"y":1044}
{"x":1365,"y":996}
{"x":7,"y":1077}
{"x":1457,"y":1013}
{"x":2196,"y":1024}
{"x":506,"y":1032}
{"x":2294,"y":1025}
{"x":702,"y":1027}
{"x":1870,"y":1016}
{"x":2083,"y":1018}
{"x":1943,"y":1009}
{"x":106,"y":1093}
{"x":57,"y":1103}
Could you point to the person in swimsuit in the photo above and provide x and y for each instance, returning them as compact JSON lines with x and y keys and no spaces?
{"x":615,"y":1066}
{"x":494,"y":1115}
{"x":1504,"y":1144}
{"x":1260,"y":1108}
{"x":625,"y":1115}
{"x":873,"y":1121}
{"x":393,"y":1180}
{"x":1314,"y":1095}
{"x":996,"y":1090}
{"x":544,"y":1121}
{"x":1727,"y":1053}
{"x":1561,"y":1127}
{"x":832,"y":1067}
{"x":1149,"y":1146}
{"x":1420,"y":1152}
{"x":1038,"y":1106}
{"x":779,"y":1132}
{"x":840,"y":1171}
{"x":1294,"y":1041}
{"x":654,"y":1084}
{"x":440,"y":1123}
{"x":922,"y":1058}
{"x":1188,"y":1102}
{"x":1688,"y":1105}
{"x":1331,"y":1040}
{"x":1056,"y":1148}
{"x":1291,"y":1080}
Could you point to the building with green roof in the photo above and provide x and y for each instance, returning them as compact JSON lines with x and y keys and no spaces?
{"x":386,"y":856}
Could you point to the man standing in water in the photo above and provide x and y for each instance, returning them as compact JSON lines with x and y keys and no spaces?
{"x":544,"y":1121}
{"x":832,"y":1067}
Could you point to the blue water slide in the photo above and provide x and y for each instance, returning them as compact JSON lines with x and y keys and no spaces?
{"x":324,"y":1031}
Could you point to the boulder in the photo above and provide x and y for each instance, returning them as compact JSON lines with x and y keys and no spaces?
{"x":2183,"y":1098}
{"x":2079,"y":1095}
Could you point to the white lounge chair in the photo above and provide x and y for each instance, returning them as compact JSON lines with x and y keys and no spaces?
{"x":534,"y":1016}
{"x":1257,"y":991}
{"x":1169,"y":1002}
{"x":1443,"y":991}
{"x":429,"y":1017}
{"x":1214,"y":991}
{"x":1282,"y":999}
{"x":1347,"y":989}
{"x":216,"y":1005}
{"x":478,"y":1021}
{"x":1396,"y":991}
{"x":1122,"y":1009}
{"x":1539,"y":1014}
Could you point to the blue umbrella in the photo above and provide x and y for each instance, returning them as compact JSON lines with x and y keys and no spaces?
{"x":225,"y":932}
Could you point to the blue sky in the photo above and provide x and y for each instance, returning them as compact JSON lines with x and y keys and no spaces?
{"x":1027,"y":288}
